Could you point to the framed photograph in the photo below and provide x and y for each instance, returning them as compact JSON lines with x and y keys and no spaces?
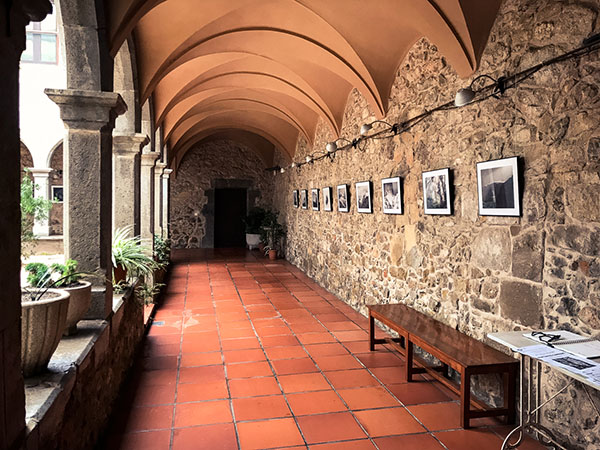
{"x":436,"y":192}
{"x":364,"y":203}
{"x":391,"y":193}
{"x":342,"y":196}
{"x":57,"y":194}
{"x":498,"y":187}
{"x":315,"y":199}
{"x":327,"y":199}
{"x":304,"y":199}
{"x":296,"y":198}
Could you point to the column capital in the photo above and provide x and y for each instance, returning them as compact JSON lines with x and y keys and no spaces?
{"x":40,"y":172}
{"x":127,"y":144}
{"x":167,"y":173}
{"x":87,"y":110}
{"x":148,"y":158}
{"x":158,"y":168}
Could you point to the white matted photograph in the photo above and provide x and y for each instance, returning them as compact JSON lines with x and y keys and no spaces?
{"x":342,"y":196}
{"x":391,"y":195}
{"x":436,"y":192}
{"x":364,"y":204}
{"x":315,"y":199}
{"x":296,"y":198}
{"x":304,"y":199}
{"x":498,"y":187}
{"x":327,"y":199}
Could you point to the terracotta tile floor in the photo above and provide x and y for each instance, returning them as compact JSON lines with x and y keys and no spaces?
{"x":245,"y":353}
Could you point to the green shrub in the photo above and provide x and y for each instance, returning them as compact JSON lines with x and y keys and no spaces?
{"x":132,"y":253}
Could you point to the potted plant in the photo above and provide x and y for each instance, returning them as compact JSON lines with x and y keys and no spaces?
{"x":43,"y":320}
{"x":147,"y":292}
{"x":162,"y":255}
{"x":131,"y":257}
{"x":272,"y":232}
{"x":66,"y":277}
{"x":253,"y":222}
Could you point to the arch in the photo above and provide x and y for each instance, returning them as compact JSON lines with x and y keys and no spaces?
{"x":51,"y":153}
{"x":26,"y":160}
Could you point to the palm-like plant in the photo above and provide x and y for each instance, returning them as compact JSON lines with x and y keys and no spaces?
{"x":132,"y":253}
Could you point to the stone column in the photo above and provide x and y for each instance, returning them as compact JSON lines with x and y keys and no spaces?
{"x":89,"y":117}
{"x":147,"y":195}
{"x":165,"y":202}
{"x":14,"y":16}
{"x":126,"y":181}
{"x":158,"y":198}
{"x":42,"y":190}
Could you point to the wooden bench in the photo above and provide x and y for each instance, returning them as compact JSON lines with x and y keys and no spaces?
{"x":463,"y":353}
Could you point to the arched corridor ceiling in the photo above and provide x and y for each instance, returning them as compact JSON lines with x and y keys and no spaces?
{"x":274,"y":67}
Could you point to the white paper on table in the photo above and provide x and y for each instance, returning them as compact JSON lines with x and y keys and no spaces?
{"x":593,"y":374}
{"x":559,"y":358}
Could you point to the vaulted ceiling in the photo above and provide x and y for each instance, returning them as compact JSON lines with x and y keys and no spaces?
{"x":272,"y":68}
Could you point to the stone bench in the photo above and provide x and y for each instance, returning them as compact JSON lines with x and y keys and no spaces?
{"x":466,"y":355}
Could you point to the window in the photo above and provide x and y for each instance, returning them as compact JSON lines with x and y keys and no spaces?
{"x":57,"y":194}
{"x":42,"y":41}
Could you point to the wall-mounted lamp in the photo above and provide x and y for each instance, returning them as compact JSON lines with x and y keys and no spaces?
{"x":308,"y":159}
{"x":465,"y":96}
{"x":293,"y":165}
{"x":331,"y":147}
{"x":364,"y":130}
{"x":282,"y":170}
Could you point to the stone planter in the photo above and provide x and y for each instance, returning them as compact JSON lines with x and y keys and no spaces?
{"x":81,"y":300}
{"x":252,"y":240}
{"x":42,"y":326}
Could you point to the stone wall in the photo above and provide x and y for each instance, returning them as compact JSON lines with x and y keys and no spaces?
{"x":218,"y":164}
{"x":478,"y":274}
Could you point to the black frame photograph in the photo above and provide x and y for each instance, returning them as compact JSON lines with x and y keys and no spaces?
{"x":57,"y":194}
{"x":327,"y":206}
{"x":498,"y":187}
{"x":343,"y":198}
{"x":315,"y":199}
{"x":296,"y":198}
{"x":391,"y":195}
{"x":436,"y":192}
{"x":364,"y":200}
{"x":304,"y":198}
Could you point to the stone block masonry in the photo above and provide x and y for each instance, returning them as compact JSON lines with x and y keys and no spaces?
{"x":478,"y":274}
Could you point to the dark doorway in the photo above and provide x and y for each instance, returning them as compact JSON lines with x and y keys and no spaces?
{"x":230,"y":210}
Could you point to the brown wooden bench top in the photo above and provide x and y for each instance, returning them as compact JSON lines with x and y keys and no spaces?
{"x":464,"y":349}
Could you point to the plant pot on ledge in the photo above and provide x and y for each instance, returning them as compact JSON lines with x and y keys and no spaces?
{"x":119,"y":274}
{"x":79,"y":304}
{"x":42,"y":325}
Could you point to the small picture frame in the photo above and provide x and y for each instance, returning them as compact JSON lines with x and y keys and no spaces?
{"x":364,"y":203}
{"x":436,"y":192}
{"x":57,"y":194}
{"x":296,"y":198}
{"x":304,"y":198}
{"x":498,"y":187}
{"x":327,"y":206}
{"x":315,"y":199}
{"x":391,"y":193}
{"x":343,"y":198}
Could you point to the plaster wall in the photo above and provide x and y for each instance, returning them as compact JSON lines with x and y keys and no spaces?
{"x":478,"y":274}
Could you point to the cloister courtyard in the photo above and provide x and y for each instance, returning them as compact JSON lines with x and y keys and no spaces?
{"x":269,"y":224}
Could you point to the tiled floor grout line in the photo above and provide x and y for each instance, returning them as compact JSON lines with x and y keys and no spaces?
{"x":269,"y":360}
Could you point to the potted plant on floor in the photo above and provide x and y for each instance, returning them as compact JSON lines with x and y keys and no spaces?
{"x":162,"y":255}
{"x":64,"y":276}
{"x":253,"y":222}
{"x":131,"y":257}
{"x":272,"y":233}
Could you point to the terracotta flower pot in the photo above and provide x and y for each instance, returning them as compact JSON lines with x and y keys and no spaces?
{"x":81,"y":300}
{"x":42,"y":326}
{"x":120,"y":274}
{"x":272,"y":254}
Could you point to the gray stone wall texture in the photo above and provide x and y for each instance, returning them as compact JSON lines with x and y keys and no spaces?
{"x":201,"y":167}
{"x":478,"y":274}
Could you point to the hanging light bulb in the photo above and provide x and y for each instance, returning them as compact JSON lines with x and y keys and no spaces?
{"x":308,"y":159}
{"x":282,"y":170}
{"x":331,"y":147}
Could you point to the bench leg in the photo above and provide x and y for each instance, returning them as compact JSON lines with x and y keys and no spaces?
{"x":510,"y":381}
{"x":371,"y":332}
{"x":409,"y":359}
{"x":465,"y":399}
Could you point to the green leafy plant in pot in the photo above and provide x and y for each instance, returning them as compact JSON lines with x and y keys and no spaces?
{"x":162,"y":255}
{"x":131,"y":257}
{"x":271,"y":234}
{"x":63,"y":276}
{"x":253,"y":223}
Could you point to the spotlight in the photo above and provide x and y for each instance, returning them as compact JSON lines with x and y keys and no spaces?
{"x":365,"y":129}
{"x":293,"y":165}
{"x":331,"y":147}
{"x":282,"y":170}
{"x":308,"y":159}
{"x":466,"y":95}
